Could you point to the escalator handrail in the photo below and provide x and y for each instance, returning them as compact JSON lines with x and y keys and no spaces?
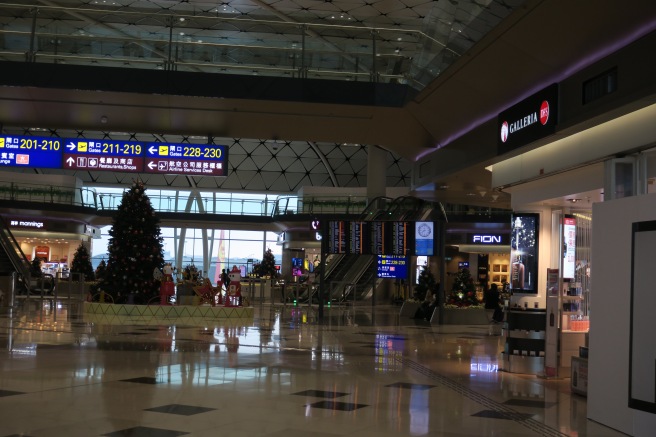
{"x":14,"y":251}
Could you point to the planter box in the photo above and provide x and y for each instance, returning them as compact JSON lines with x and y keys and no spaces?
{"x":463,"y":316}
{"x":409,"y":309}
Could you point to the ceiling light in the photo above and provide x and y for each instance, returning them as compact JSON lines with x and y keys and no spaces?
{"x":573,"y":200}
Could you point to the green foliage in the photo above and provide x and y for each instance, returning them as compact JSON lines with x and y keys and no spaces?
{"x":82,"y":263}
{"x":135,"y":249}
{"x":425,"y":283}
{"x":463,"y":292}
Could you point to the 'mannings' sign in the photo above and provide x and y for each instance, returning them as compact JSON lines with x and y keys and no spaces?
{"x":529,"y":120}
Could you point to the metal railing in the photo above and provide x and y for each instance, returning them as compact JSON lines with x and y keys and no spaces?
{"x":215,"y":42}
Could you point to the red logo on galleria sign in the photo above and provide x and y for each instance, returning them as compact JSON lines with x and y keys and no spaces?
{"x":544,"y":112}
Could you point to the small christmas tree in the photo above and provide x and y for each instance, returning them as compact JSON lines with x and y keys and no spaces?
{"x":82,"y":263}
{"x":268,"y":265}
{"x":425,"y":283}
{"x":135,"y":249}
{"x":101,"y":270}
{"x":463,"y":292}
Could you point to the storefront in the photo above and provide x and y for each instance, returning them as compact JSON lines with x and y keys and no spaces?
{"x":52,"y":240}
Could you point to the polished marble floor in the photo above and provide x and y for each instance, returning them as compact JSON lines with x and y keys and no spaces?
{"x":360,"y":372}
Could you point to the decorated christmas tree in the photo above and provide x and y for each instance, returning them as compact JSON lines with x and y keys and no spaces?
{"x":426,"y":282}
{"x":82,"y":263}
{"x":463,"y":292}
{"x":268,"y":265}
{"x":101,"y":270}
{"x":135,"y":249}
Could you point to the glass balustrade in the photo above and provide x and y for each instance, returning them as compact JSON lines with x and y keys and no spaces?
{"x":215,"y":42}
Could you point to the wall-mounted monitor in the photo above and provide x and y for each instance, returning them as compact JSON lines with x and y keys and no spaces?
{"x":525,"y":230}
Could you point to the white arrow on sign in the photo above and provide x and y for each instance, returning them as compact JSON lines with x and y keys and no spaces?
{"x":151,"y":165}
{"x":70,"y":161}
{"x":71,"y":146}
{"x":152,"y":150}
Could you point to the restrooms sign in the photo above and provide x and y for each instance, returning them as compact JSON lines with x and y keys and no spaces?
{"x":529,"y":120}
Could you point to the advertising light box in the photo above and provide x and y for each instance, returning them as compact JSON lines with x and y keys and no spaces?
{"x":27,"y":151}
{"x":103,"y":155}
{"x":392,"y":266}
{"x":524,"y":253}
{"x":569,"y":247}
{"x":188,"y":159}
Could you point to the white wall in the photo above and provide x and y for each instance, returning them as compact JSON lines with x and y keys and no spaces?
{"x":610,"y":314}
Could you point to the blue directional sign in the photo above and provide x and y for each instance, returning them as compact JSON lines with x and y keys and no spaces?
{"x":103,"y":155}
{"x":392,"y":266}
{"x":28,"y":151}
{"x":190,"y":159}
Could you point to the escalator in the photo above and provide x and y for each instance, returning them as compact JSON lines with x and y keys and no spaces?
{"x":12,"y":258}
{"x":359,"y":284}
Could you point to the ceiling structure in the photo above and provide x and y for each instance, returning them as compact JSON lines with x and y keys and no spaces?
{"x":466,"y":60}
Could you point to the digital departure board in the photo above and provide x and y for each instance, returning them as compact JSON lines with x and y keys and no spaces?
{"x":27,"y":151}
{"x":359,"y":238}
{"x":399,"y":238}
{"x":190,"y":159}
{"x":378,"y":240}
{"x":392,"y":266}
{"x":103,"y":155}
{"x":337,"y":236}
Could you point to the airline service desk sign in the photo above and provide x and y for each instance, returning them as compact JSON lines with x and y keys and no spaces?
{"x":188,"y":159}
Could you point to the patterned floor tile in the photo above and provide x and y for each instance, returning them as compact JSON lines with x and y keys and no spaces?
{"x":142,"y":380}
{"x":493,"y":414}
{"x":339,"y":406}
{"x":320,"y":393}
{"x":179,"y":409}
{"x":410,"y":386}
{"x":144,"y":431}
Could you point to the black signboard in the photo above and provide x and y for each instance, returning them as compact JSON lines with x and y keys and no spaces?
{"x":529,"y":120}
{"x":488,"y":239}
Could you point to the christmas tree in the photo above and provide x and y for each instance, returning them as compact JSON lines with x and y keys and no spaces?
{"x":82,"y":263}
{"x":135,"y":249}
{"x":268,"y":265}
{"x":101,"y":270}
{"x":463,"y":292}
{"x":425,"y":283}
